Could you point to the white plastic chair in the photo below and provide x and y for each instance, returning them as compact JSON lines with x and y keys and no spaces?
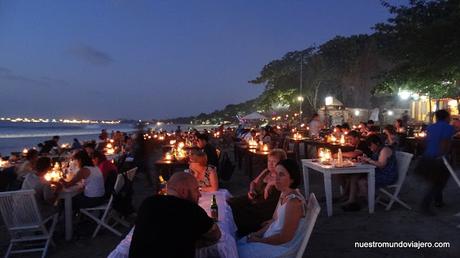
{"x":313,"y":210}
{"x":107,"y":208}
{"x":24,"y":222}
{"x":403,"y":160}
{"x":131,"y":173}
{"x":454,"y":176}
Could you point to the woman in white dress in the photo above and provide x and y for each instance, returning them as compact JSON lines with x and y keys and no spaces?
{"x":282,"y":236}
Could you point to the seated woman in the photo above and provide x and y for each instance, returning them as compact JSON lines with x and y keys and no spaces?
{"x":94,"y":190}
{"x":258,"y":205}
{"x":284,"y":234}
{"x":204,"y":173}
{"x":265,"y":136}
{"x":44,"y":193}
{"x":399,"y":127}
{"x":391,"y":138}
{"x":108,"y":169}
{"x":386,"y":173}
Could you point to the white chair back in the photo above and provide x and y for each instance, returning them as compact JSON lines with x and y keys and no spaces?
{"x":403,"y":160}
{"x":451,"y":170}
{"x":19,"y":210}
{"x":131,"y":173}
{"x":313,"y":210}
{"x":119,"y":183}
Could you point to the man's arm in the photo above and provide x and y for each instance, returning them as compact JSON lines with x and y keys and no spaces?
{"x":209,"y":238}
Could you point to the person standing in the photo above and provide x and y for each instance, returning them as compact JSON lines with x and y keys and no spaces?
{"x":431,"y":166}
{"x":315,"y":126}
{"x":206,"y":147}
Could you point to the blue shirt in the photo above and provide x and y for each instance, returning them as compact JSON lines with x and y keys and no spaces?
{"x":436,"y":133}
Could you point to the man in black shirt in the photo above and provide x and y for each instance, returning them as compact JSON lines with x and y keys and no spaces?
{"x":171,"y":226}
{"x":50,"y":144}
{"x":211,"y":153}
{"x":361,"y":147}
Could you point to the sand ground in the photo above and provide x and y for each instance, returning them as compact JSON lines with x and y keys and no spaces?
{"x":332,"y":236}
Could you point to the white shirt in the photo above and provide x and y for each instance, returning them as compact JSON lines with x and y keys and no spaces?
{"x":315,"y":127}
{"x":248,"y":137}
{"x":31,"y":181}
{"x":94,"y":183}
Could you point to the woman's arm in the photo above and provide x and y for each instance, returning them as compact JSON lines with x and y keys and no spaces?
{"x":351,"y":154}
{"x":254,"y":182}
{"x":383,"y":157}
{"x":291,"y":222}
{"x":267,"y":189}
{"x":213,"y":181}
{"x":83,"y":173}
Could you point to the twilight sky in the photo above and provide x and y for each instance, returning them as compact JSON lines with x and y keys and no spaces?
{"x":155,"y":59}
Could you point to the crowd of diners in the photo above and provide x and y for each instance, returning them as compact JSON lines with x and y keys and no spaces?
{"x":270,"y":217}
{"x":84,"y":167}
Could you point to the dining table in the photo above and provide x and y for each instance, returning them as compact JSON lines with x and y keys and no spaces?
{"x":67,"y":194}
{"x":310,"y":165}
{"x":224,"y":248}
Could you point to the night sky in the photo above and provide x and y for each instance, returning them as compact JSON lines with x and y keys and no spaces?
{"x":155,"y":59}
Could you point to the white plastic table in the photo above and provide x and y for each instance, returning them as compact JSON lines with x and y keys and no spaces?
{"x":66,"y":195}
{"x":328,"y":170}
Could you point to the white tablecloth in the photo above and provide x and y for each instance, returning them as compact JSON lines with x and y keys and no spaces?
{"x":225,"y":248}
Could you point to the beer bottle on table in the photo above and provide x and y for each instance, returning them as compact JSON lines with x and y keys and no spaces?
{"x":163,"y":186}
{"x":214,"y":209}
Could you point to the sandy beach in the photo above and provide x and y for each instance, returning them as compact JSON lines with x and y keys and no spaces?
{"x":331,"y":237}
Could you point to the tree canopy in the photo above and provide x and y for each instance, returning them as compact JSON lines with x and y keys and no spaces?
{"x":423,"y":42}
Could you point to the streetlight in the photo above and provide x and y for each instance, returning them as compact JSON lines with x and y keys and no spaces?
{"x":404,"y":94}
{"x":300,"y":98}
{"x":328,"y":102}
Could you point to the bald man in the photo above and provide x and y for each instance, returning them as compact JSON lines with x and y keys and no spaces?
{"x":173,"y":225}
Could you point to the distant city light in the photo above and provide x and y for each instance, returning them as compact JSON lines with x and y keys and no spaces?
{"x":390,"y":112}
{"x":357,"y":112}
{"x":300,"y":98}
{"x":65,"y":121}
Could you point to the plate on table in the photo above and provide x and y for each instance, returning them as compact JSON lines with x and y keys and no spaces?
{"x":345,"y":164}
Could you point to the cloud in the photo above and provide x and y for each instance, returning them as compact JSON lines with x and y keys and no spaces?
{"x":44,"y":81}
{"x":91,"y":55}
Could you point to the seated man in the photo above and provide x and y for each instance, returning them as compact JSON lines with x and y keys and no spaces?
{"x":173,"y":225}
{"x":361,"y":147}
{"x":354,"y":138}
{"x":50,"y":144}
{"x":44,"y":193}
{"x":28,"y":166}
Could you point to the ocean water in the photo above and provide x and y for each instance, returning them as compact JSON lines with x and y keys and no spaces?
{"x":17,"y":136}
